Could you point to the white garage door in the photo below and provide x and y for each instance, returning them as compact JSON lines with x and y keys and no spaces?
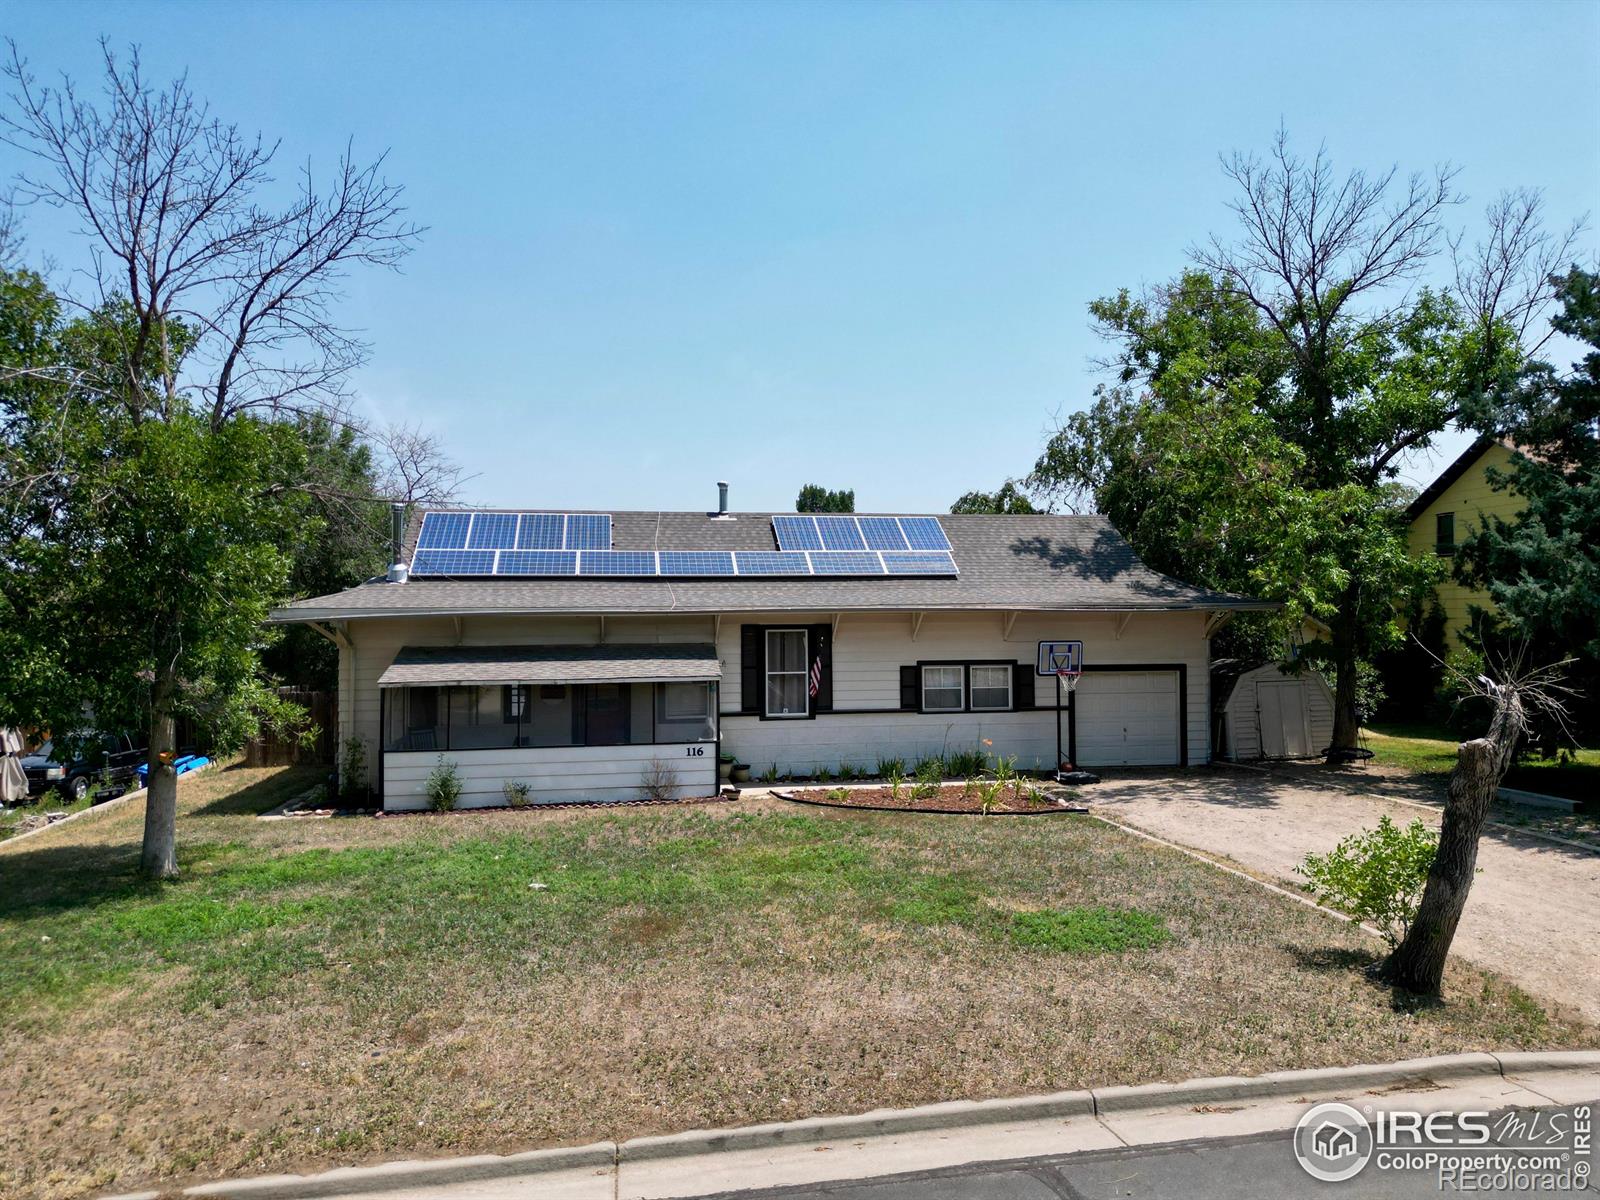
{"x":1128,"y":719}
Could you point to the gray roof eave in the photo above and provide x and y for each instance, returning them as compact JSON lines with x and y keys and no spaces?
{"x":291,"y":616}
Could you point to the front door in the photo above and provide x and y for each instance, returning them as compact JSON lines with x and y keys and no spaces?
{"x":606,"y":714}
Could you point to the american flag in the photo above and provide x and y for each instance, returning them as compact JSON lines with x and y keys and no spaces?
{"x":816,"y":676}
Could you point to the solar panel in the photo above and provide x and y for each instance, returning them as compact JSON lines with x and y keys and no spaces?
{"x":537,"y":562}
{"x":919,"y":562}
{"x":770,"y":562}
{"x":444,"y":531}
{"x":924,"y":533}
{"x":493,"y":531}
{"x":851,"y":562}
{"x":882,"y":533}
{"x":796,"y":533}
{"x":696,"y":562}
{"x":588,"y":531}
{"x":541,"y":531}
{"x":840,"y":533}
{"x":616,"y":562}
{"x":453,"y":562}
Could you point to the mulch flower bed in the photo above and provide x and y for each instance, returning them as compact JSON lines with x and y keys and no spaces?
{"x":950,"y":798}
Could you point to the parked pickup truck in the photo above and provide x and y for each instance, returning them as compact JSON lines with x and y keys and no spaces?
{"x":107,"y":755}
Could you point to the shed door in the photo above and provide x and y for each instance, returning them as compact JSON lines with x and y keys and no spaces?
{"x":1128,"y":718}
{"x":1285,"y":729}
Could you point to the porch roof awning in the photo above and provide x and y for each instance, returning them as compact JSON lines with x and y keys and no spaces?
{"x":443,"y":666}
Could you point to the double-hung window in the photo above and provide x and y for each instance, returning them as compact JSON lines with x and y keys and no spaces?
{"x":943,"y":689}
{"x":1444,"y":533}
{"x":787,"y":669}
{"x":991,"y":688}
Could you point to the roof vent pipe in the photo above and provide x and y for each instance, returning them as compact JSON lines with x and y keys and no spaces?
{"x":722,"y":497}
{"x":398,"y":571}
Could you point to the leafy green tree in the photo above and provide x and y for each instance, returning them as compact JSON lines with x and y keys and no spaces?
{"x":1007,"y":499}
{"x":1542,"y":569}
{"x":1263,"y":399}
{"x":814,"y":498}
{"x":152,"y":459}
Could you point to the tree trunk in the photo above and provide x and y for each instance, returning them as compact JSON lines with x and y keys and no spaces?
{"x":1417,"y":964}
{"x":159,"y":857}
{"x":1346,"y":718}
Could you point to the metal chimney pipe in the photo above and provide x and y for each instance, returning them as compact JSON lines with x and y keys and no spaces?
{"x":722,"y":497}
{"x":398,"y":571}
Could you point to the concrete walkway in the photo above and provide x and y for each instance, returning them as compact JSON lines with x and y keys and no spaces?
{"x":1534,"y":912}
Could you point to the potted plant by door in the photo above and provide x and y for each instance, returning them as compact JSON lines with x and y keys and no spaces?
{"x":725,"y":767}
{"x":741,"y":772}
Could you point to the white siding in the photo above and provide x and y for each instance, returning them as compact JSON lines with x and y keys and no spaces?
{"x":869,"y":650}
{"x":558,"y":775}
{"x":1243,"y":718}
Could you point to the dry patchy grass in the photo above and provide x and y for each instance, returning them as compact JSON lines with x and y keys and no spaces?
{"x":315,"y":993}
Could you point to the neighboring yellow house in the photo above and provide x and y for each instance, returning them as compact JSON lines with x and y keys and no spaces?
{"x":1450,"y":508}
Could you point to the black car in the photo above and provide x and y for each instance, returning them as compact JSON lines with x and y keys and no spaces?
{"x":113,"y":756}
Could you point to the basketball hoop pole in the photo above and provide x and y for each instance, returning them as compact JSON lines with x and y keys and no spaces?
{"x":1058,"y":723}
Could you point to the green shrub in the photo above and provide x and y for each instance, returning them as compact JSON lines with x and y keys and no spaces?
{"x":891,"y":766}
{"x":839,"y":795}
{"x":443,"y":785}
{"x":516,"y":792}
{"x":896,"y":778}
{"x":1376,"y":875}
{"x":965,"y":762}
{"x":353,"y":770}
{"x":930,"y":774}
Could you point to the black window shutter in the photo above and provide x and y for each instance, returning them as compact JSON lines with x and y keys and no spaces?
{"x":1022,"y":695}
{"x":822,"y":647}
{"x":910,"y":700}
{"x":751,"y":649}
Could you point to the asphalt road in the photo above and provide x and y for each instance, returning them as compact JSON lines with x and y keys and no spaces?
{"x":1260,"y":1167}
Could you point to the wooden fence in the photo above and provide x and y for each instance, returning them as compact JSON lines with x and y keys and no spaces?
{"x":270,"y":751}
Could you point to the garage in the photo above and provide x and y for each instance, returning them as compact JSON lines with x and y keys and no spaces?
{"x":1128,"y":719}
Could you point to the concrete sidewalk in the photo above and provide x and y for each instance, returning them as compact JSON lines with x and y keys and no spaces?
{"x":943,"y":1136}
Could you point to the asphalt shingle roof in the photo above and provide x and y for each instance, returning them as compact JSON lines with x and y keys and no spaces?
{"x":436,"y":665}
{"x":1039,"y":562}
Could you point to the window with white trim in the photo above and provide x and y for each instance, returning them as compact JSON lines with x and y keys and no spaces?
{"x":943,"y":689}
{"x":787,"y":693}
{"x":991,"y":688}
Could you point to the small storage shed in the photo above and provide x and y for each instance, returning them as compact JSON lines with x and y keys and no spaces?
{"x":1270,"y":713}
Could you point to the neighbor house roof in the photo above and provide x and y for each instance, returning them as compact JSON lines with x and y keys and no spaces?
{"x":1463,"y":463}
{"x":446,"y":665}
{"x":1011,"y":562}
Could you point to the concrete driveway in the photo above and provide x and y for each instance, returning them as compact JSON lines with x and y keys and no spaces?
{"x":1534,"y":912}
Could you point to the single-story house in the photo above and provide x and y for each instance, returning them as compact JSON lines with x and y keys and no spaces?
{"x":578,"y":651}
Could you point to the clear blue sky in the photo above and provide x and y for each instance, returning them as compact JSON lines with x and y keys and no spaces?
{"x":843,"y":243}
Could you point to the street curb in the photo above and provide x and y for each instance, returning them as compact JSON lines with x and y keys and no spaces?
{"x":951,"y":1115}
{"x":444,"y":1172}
{"x":1300,"y":1082}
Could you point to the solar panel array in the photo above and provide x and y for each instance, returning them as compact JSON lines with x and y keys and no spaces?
{"x":841,"y":532}
{"x":579,"y":544}
{"x":469,"y":531}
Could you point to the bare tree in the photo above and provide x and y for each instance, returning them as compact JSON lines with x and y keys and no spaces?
{"x":176,"y":206}
{"x":413,"y":466}
{"x":224,"y":280}
{"x":1327,"y":261}
{"x":1417,"y":963}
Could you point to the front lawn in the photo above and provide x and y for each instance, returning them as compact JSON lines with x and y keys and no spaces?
{"x":321,"y":992}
